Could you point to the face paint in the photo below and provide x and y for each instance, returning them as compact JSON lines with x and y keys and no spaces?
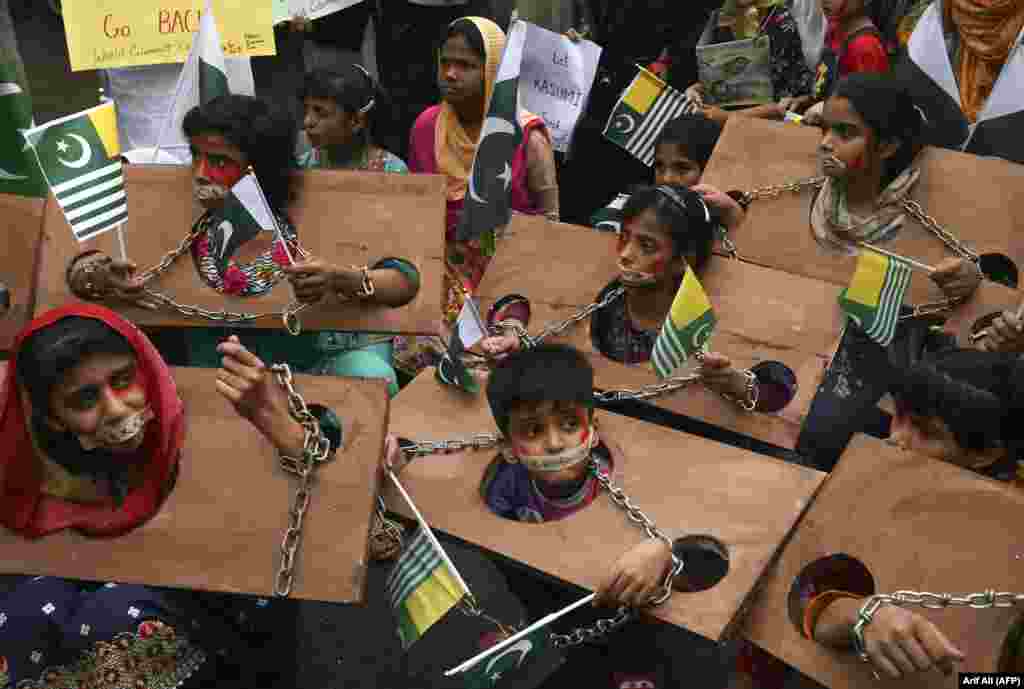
{"x":548,"y":463}
{"x":223,"y":171}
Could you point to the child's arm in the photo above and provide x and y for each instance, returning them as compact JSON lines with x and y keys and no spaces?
{"x":897,"y":641}
{"x":637,"y":576}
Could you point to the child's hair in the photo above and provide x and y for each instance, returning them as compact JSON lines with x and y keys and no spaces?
{"x":353,"y":89}
{"x":467,"y":29}
{"x":683,"y":214}
{"x":265,"y":133}
{"x":979,"y":396}
{"x":696,"y":134}
{"x":885,"y":104}
{"x":547,"y":372}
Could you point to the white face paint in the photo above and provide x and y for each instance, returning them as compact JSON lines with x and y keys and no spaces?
{"x":549,"y":463}
{"x":128,"y":433}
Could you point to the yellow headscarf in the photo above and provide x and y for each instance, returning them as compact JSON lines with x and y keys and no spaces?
{"x":452,"y":146}
{"x":988,"y":30}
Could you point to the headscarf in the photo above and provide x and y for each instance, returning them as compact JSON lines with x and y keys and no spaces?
{"x":24,"y":507}
{"x":988,"y":30}
{"x":453,"y":147}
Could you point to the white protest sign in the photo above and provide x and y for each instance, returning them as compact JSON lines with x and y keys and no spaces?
{"x":310,"y":9}
{"x":555,"y":79}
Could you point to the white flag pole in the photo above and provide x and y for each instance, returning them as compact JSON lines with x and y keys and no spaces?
{"x":273,"y":217}
{"x":430,"y":532}
{"x":120,"y":225}
{"x":543,"y":622}
{"x":908,"y":261}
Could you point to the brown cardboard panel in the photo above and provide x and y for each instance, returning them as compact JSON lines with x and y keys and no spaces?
{"x":21,"y":221}
{"x":916,"y":524}
{"x":347,"y":218}
{"x":688,"y":485}
{"x":222,"y":525}
{"x":972,"y":197}
{"x":763,"y":315}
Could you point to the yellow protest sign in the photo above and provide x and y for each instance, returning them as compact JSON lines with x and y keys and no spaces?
{"x":124,"y":33}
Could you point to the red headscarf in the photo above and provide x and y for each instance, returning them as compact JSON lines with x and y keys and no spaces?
{"x":24,"y":508}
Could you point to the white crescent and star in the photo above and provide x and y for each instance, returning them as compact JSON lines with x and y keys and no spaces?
{"x":493,"y":125}
{"x":697,"y":342}
{"x":523,"y":646}
{"x":82,"y":160}
{"x":629,"y":126}
{"x":226,"y":229}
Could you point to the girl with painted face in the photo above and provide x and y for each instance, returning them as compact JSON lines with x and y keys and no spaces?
{"x":228,"y":136}
{"x":664,"y":231}
{"x":339,"y":109}
{"x":871,"y":133}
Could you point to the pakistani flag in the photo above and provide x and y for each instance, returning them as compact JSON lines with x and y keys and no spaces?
{"x":19,"y":173}
{"x":487,"y":203}
{"x":245,"y":214}
{"x":875,"y":295}
{"x":80,"y":156}
{"x":643,"y":110}
{"x":488,"y":673}
{"x":687,"y":328}
{"x":211,"y":70}
{"x":469,"y":329}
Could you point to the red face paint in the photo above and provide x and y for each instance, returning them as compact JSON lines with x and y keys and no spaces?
{"x":224,"y":172}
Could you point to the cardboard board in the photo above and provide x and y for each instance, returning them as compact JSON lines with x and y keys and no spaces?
{"x":346,"y":218}
{"x":916,"y":524}
{"x":221,"y":527}
{"x":21,"y":221}
{"x":688,"y":485}
{"x":975,"y":198}
{"x":763,"y":315}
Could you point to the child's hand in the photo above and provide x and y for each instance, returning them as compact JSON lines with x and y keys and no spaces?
{"x":637,"y":576}
{"x":957,"y":277}
{"x":1005,"y":334}
{"x":731,"y":212}
{"x":499,"y":346}
{"x":394,"y":459}
{"x":900,"y":642}
{"x":717,"y":372}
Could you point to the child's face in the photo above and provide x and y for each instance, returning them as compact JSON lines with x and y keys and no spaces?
{"x":461,"y":73}
{"x":645,"y":247}
{"x":216,"y":165}
{"x":327,"y":124}
{"x":847,"y":144}
{"x":547,"y":428}
{"x":672,"y":167}
{"x":931,"y":437}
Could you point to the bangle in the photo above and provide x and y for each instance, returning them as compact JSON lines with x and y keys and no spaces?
{"x":749,"y":401}
{"x":366,"y":289}
{"x":817,"y":606}
{"x":864,"y":617}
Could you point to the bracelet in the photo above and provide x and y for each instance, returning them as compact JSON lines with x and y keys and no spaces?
{"x":864,"y":617}
{"x":753,"y":393}
{"x":666,"y":589}
{"x":525,"y":341}
{"x":366,"y":289}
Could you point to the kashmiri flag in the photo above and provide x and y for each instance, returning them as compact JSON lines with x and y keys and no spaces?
{"x":643,"y":110}
{"x":421,"y":588}
{"x":875,"y":295}
{"x":487,"y":204}
{"x":687,"y":328}
{"x":487,"y":674}
{"x":19,"y":173}
{"x":80,"y":157}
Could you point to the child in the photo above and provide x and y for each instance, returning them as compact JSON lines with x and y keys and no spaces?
{"x":339,"y":110}
{"x":680,"y":156}
{"x":664,"y":231}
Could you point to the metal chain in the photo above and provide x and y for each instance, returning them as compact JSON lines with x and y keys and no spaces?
{"x":597,"y":631}
{"x":289,"y":315}
{"x":478,"y":441}
{"x":316,"y":449}
{"x":916,"y":210}
{"x":773,"y":191}
{"x":582,"y":314}
{"x":666,"y":387}
{"x":936,"y":601}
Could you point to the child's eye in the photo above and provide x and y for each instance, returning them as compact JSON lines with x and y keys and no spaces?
{"x":571,"y":423}
{"x":123,"y":380}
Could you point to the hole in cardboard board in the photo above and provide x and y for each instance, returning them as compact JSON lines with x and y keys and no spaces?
{"x":5,"y":299}
{"x":1000,"y":268}
{"x":512,"y":492}
{"x":776,"y":385}
{"x":604,"y":323}
{"x":838,"y":572}
{"x":705,"y":562}
{"x":510,"y":306}
{"x":333,"y":429}
{"x":1011,"y":655}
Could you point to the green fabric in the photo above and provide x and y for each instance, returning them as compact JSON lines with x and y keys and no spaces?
{"x":312,"y":159}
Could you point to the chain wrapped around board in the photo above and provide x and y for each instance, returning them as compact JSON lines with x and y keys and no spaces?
{"x":602,"y":627}
{"x":316,"y":450}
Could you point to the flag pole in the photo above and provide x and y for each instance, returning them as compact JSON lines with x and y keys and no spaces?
{"x":430,"y":533}
{"x":273,"y":217}
{"x":909,"y":261}
{"x":120,"y":226}
{"x":543,"y":622}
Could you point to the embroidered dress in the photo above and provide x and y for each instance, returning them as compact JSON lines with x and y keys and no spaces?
{"x":614,"y":334}
{"x":378,"y":160}
{"x":510,"y":492}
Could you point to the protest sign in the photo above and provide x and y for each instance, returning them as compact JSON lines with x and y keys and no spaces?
{"x":310,"y":9}
{"x":103,"y":34}
{"x":555,"y":78}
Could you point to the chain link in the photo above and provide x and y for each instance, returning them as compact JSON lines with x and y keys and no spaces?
{"x":581,"y":315}
{"x":936,"y":601}
{"x":773,"y":191}
{"x":666,"y":387}
{"x":596,"y":632}
{"x":916,"y":210}
{"x":478,"y":441}
{"x":316,"y":449}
